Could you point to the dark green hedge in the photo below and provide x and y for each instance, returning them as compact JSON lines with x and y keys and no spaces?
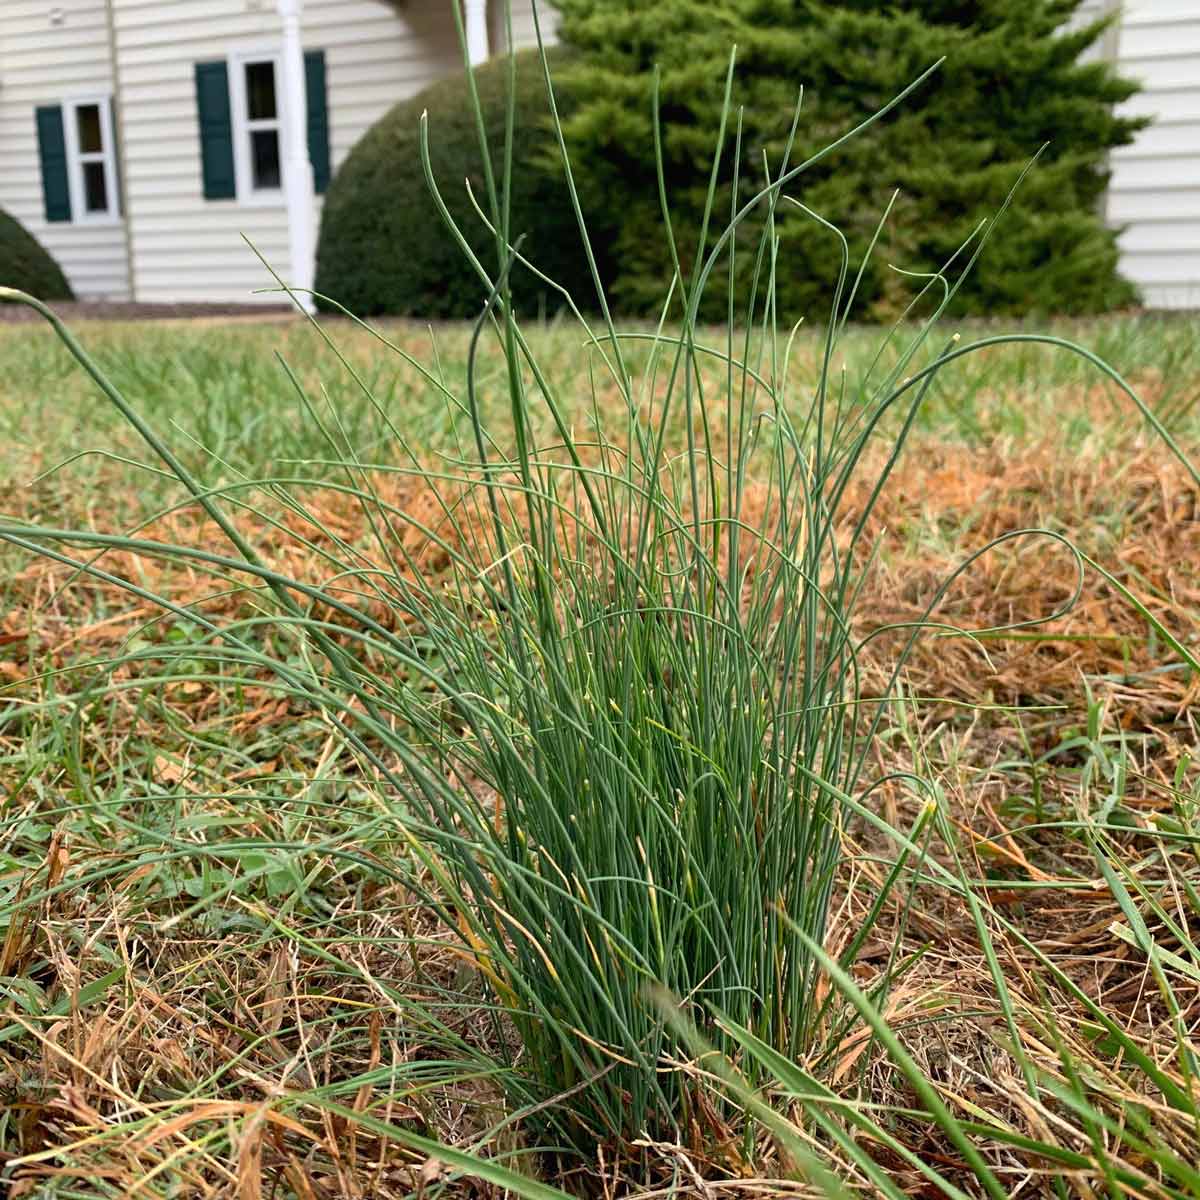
{"x":26,"y":264}
{"x":383,"y":247}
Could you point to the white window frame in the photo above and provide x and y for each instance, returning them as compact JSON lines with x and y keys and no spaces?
{"x":76,"y":159}
{"x":243,"y":164}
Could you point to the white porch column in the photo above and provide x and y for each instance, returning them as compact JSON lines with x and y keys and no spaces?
{"x":298,"y":188}
{"x":475,"y":20}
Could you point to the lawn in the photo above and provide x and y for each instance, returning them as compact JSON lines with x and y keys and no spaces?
{"x":228,"y":966}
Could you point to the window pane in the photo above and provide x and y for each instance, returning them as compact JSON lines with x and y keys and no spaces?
{"x":264,"y":154}
{"x":260,"y":90}
{"x":95,"y":192}
{"x":88,"y":118}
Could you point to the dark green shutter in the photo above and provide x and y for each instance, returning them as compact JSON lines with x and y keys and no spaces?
{"x":318,"y":117}
{"x":52,"y":149}
{"x":216,"y":131}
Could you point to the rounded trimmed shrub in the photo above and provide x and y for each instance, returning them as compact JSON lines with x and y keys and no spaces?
{"x":384,"y":248}
{"x":26,"y":264}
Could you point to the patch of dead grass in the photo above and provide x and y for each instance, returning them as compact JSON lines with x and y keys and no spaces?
{"x":87,"y":1089}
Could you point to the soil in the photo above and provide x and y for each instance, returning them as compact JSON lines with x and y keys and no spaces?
{"x":121,"y":310}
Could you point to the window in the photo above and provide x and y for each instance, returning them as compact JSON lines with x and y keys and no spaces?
{"x":79,"y":166}
{"x":93,"y":166}
{"x":257,"y":120}
{"x":262,"y":124}
{"x":241,"y":106}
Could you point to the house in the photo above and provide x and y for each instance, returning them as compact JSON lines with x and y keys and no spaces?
{"x":141,"y":139}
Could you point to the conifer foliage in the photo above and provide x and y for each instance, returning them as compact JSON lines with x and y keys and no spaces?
{"x":1012,"y":81}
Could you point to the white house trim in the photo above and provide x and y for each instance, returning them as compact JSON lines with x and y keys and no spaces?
{"x":297,"y":169}
{"x":475,"y":17}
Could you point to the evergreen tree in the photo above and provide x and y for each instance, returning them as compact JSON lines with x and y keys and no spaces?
{"x":1011,"y":82}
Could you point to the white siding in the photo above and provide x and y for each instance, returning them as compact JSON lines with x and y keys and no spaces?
{"x":1085,"y":14}
{"x":1155,"y":190}
{"x":524,"y":30}
{"x":44,"y":63}
{"x":184,"y":247}
{"x":390,"y":52}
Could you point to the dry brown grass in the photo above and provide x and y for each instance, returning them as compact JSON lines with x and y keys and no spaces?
{"x":170,"y":1081}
